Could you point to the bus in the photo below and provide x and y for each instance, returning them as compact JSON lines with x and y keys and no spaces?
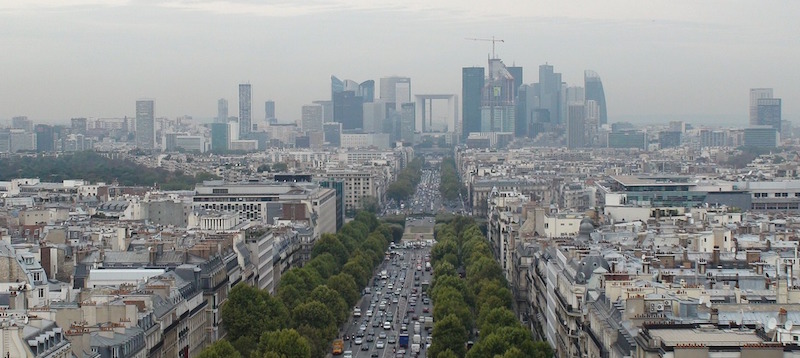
{"x":338,"y":347}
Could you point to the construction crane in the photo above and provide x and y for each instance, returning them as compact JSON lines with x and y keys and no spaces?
{"x":493,"y":40}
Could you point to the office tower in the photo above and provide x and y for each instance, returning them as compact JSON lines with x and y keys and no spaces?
{"x":269,"y":111}
{"x":396,"y":90}
{"x":327,"y":110}
{"x":220,"y":136}
{"x":576,"y":125}
{"x":222,"y":111}
{"x":498,"y":112}
{"x":22,"y":122}
{"x":592,"y":123}
{"x":348,"y":110}
{"x":549,"y":86}
{"x":311,"y":118}
{"x":761,"y":137}
{"x":337,"y":86}
{"x":44,"y":138}
{"x":472,"y":81}
{"x":366,"y":90}
{"x":755,"y":95}
{"x":245,"y":111}
{"x":768,"y":112}
{"x":408,"y":122}
{"x":594,"y":92}
{"x":516,"y":72}
{"x":374,"y":115}
{"x":145,"y":124}
{"x":332,"y":134}
{"x":79,"y":125}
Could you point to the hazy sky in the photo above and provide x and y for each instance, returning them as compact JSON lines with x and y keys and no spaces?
{"x":658,"y":59}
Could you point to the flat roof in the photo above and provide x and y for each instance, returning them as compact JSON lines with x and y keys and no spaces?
{"x":706,"y":336}
{"x":635,"y":180}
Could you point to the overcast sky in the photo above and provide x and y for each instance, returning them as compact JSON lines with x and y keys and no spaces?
{"x":658,"y":59}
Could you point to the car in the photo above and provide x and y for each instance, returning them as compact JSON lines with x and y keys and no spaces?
{"x":348,"y":354}
{"x":369,"y":313}
{"x":392,"y":339}
{"x":374,"y":354}
{"x":426,"y":310}
{"x":414,"y":317}
{"x":382,"y":335}
{"x":405,"y":320}
{"x":358,"y":340}
{"x":376,"y":323}
{"x":365,"y":347}
{"x":379,"y":345}
{"x":387,"y":325}
{"x":404,"y":328}
{"x":362,"y":328}
{"x":370,"y":338}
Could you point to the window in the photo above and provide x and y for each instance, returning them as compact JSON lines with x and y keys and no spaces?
{"x":37,"y":276}
{"x":41,"y":293}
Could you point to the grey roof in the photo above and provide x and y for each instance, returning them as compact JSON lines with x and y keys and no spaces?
{"x":585,"y":268}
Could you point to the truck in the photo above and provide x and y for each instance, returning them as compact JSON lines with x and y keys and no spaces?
{"x":417,"y":339}
{"x":417,"y":327}
{"x":338,"y":347}
{"x":428,"y":322}
{"x":415,"y":348}
{"x":403,"y":341}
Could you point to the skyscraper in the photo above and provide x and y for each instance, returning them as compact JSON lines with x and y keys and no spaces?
{"x":472,"y":81}
{"x":408,"y":122}
{"x":549,"y":87}
{"x":755,"y":95}
{"x":768,"y":112}
{"x":22,"y":122}
{"x":576,"y":125}
{"x":594,"y":92}
{"x":498,"y":110}
{"x":332,"y":134}
{"x":145,"y":124}
{"x":348,"y":110}
{"x":44,"y":138}
{"x":396,"y":90}
{"x":220,"y":136}
{"x":367,"y":91}
{"x":245,"y":111}
{"x":269,"y":111}
{"x":311,"y":120}
{"x":222,"y":111}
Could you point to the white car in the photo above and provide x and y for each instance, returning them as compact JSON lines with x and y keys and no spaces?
{"x":379,"y":344}
{"x":348,"y":354}
{"x":358,"y":340}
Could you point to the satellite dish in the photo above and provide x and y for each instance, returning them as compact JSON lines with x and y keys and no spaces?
{"x":708,"y":304}
{"x":772,"y":324}
{"x":26,"y":319}
{"x":788,"y":326}
{"x":700,"y":301}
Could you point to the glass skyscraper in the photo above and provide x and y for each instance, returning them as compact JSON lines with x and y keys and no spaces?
{"x":472,"y":81}
{"x":245,"y":111}
{"x":145,"y":125}
{"x":594,"y":92}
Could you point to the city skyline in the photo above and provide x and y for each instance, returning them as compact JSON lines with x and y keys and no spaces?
{"x":704,"y":56}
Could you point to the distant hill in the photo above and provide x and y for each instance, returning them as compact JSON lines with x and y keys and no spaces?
{"x":95,"y":168}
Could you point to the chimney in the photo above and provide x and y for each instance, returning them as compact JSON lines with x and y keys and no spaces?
{"x":759,"y":268}
{"x":646,"y":266}
{"x":782,"y":316}
{"x":715,"y":256}
{"x":701,"y":266}
{"x":753,"y":256}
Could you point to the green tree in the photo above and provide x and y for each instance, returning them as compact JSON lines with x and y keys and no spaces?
{"x":448,"y":333}
{"x":324,"y":265}
{"x":370,"y":204}
{"x":491,"y":320}
{"x":346,"y":286}
{"x":220,"y":349}
{"x":250,"y":312}
{"x":330,"y":244}
{"x":280,"y":167}
{"x":333,"y":301}
{"x":446,"y":354}
{"x":313,"y":314}
{"x":286,"y":343}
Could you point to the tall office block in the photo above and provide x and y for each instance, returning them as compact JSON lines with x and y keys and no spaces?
{"x":516,"y":72}
{"x":219,"y":136}
{"x":576,"y":125}
{"x":755,"y":95}
{"x":311,"y":118}
{"x":269,"y":111}
{"x":45,"y":139}
{"x":396,"y":90}
{"x":22,"y":122}
{"x":592,"y":123}
{"x":332,"y":134}
{"x":594,"y":92}
{"x":366,"y":90}
{"x":145,"y":124}
{"x":768,"y":112}
{"x":408,"y":122}
{"x":222,"y":111}
{"x":761,"y":137}
{"x":348,"y":110}
{"x":498,"y":112}
{"x":549,"y":87}
{"x":374,"y":116}
{"x":245,"y":111}
{"x":472,"y":81}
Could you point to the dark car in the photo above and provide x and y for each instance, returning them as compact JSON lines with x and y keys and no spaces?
{"x":365,"y":347}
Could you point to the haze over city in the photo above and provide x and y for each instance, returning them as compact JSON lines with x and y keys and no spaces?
{"x":659,"y":60}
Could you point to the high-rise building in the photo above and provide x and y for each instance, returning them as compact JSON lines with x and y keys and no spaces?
{"x":333,"y":133}
{"x":374,"y":116}
{"x":516,"y":72}
{"x":365,"y":90}
{"x":594,"y":92}
{"x":755,"y":95}
{"x":269,"y":111}
{"x":576,"y":125}
{"x":245,"y":111}
{"x":311,"y":118}
{"x":145,"y":124}
{"x":592,"y":123}
{"x":761,"y":137}
{"x":327,"y":110}
{"x":768,"y":112}
{"x":408,"y":122}
{"x":549,"y":88}
{"x":472,"y":81}
{"x":348,"y":110}
{"x":498,"y":110}
{"x":79,"y":125}
{"x":222,"y":111}
{"x":396,"y":90}
{"x":22,"y":122}
{"x":44,"y":138}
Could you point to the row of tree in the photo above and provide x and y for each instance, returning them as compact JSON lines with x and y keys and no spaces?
{"x":479,"y":304}
{"x":94,"y":167}
{"x":312,"y":301}
{"x":407,"y":181}
{"x":450,"y":186}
